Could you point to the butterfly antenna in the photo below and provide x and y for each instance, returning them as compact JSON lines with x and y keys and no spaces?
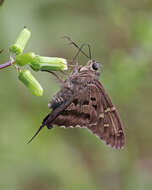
{"x":80,"y":50}
{"x":73,"y":43}
{"x":89,"y":48}
{"x":37,"y":132}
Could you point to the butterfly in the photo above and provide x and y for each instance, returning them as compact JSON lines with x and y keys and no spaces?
{"x":83,"y":102}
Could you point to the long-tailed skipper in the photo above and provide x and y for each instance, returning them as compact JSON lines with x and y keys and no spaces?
{"x":82,"y":101}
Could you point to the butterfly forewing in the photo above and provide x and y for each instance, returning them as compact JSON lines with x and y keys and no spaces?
{"x":78,"y":113}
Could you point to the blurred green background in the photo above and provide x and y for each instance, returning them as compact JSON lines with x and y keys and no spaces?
{"x":120,"y":34}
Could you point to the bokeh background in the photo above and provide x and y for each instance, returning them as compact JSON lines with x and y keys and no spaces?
{"x":120,"y":34}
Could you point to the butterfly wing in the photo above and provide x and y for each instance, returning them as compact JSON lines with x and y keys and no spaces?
{"x":93,"y":108}
{"x":80,"y":112}
{"x":66,"y":106}
{"x":109,"y":127}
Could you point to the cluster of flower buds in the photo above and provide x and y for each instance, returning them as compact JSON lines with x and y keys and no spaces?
{"x":36,"y":62}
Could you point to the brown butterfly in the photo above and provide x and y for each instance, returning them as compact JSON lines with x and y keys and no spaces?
{"x":82,"y":101}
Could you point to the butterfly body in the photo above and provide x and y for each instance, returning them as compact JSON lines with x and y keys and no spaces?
{"x":82,"y":101}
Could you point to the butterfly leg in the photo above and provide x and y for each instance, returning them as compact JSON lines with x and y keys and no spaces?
{"x":57,"y":76}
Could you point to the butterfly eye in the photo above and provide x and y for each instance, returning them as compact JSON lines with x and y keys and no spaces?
{"x":95,"y":66}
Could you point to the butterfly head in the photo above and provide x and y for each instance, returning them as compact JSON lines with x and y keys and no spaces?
{"x":92,"y":67}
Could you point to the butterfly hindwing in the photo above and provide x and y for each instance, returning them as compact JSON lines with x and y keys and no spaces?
{"x":81,"y":112}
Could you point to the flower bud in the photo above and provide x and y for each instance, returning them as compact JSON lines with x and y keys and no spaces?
{"x":48,"y":63}
{"x":30,"y":82}
{"x":21,"y":42}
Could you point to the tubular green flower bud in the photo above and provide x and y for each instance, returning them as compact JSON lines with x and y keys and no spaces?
{"x":30,"y":82}
{"x":21,"y":42}
{"x":24,"y":59}
{"x":48,"y":63}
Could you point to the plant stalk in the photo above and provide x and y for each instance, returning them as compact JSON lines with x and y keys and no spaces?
{"x":7,"y":64}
